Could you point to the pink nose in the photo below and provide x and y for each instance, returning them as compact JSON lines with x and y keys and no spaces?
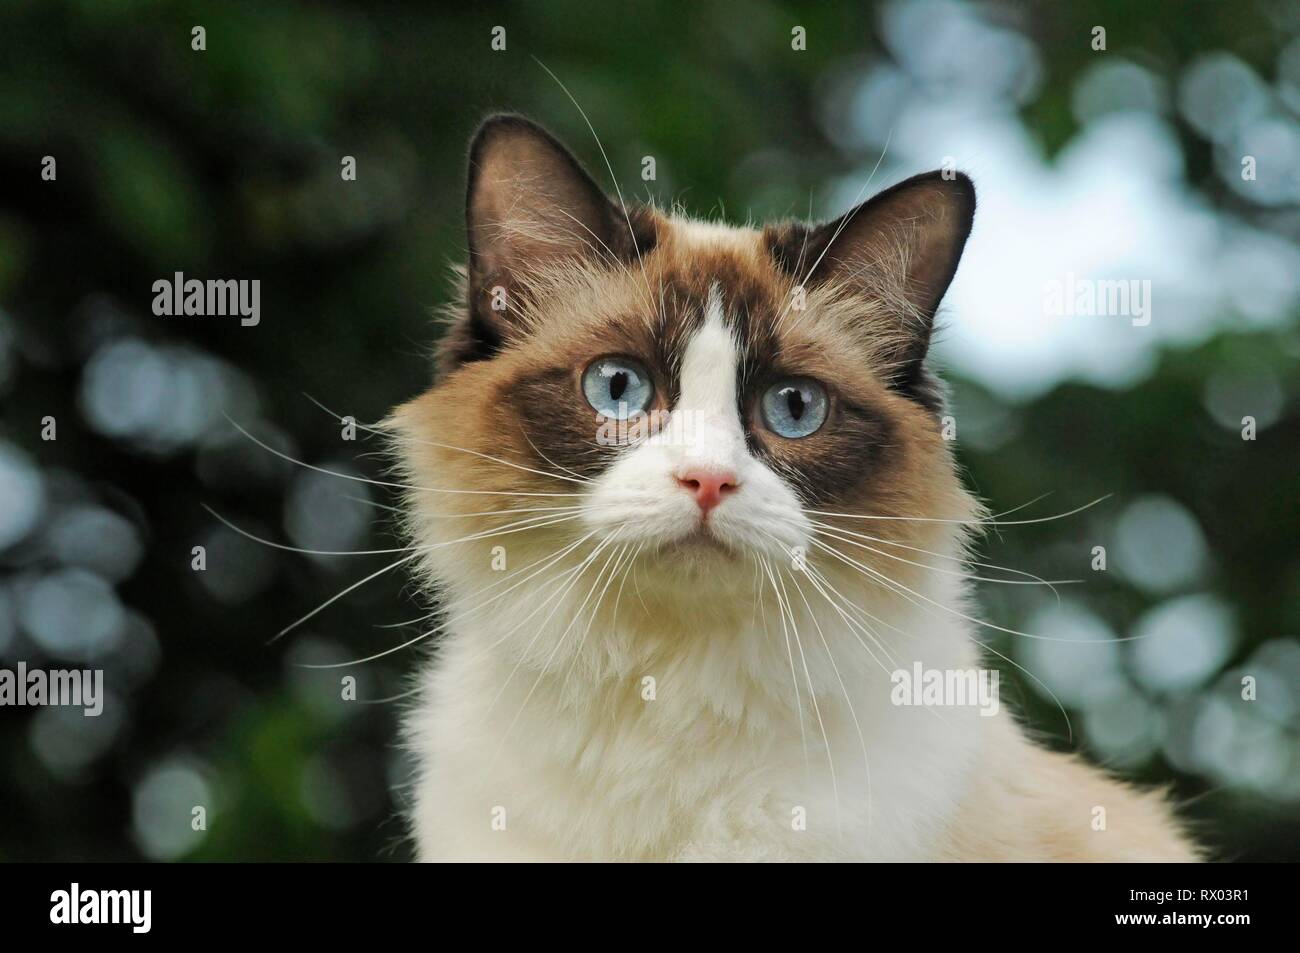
{"x":707,"y":486}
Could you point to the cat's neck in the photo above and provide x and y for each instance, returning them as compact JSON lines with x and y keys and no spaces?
{"x":741,"y":657}
{"x":653,"y":720}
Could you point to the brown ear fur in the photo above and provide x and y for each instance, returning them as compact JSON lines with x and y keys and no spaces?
{"x":529,"y":204}
{"x":900,"y":248}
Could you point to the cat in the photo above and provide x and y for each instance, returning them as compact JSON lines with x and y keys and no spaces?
{"x":682,"y":492}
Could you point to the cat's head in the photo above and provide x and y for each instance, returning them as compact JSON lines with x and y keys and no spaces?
{"x":702,"y":400}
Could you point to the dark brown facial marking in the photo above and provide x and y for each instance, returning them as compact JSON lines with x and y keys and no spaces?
{"x":853,"y":447}
{"x":829,"y":465}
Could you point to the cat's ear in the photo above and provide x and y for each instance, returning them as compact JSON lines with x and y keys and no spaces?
{"x":901,"y":246}
{"x":529,"y":204}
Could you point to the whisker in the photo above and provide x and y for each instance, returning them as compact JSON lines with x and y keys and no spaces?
{"x":876,"y":574}
{"x":623,"y":582}
{"x":403,"y":624}
{"x":508,"y":510}
{"x":843,"y":223}
{"x":1036,"y":580}
{"x":975,"y":522}
{"x":487,"y":588}
{"x":1016,"y":509}
{"x":856,"y":626}
{"x":536,"y":450}
{"x":447,"y":446}
{"x":419,"y":551}
{"x":1068,"y":727}
{"x":460,"y":516}
{"x":861,"y":626}
{"x":609,"y":256}
{"x":812,"y":695}
{"x":781,"y":609}
{"x":388,"y":483}
{"x":298,"y":549}
{"x":532,"y":522}
{"x":375,"y":503}
{"x":608,"y":165}
{"x":617,"y":557}
{"x":831,"y":531}
{"x":821,"y":583}
{"x":442,"y":626}
{"x":558,"y":643}
{"x":857,"y":725}
{"x":569,"y":578}
{"x":335,"y":598}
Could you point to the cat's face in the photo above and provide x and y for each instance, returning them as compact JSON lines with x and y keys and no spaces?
{"x":697,"y":398}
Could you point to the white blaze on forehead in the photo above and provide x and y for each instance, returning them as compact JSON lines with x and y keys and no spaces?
{"x":708,"y":375}
{"x":704,"y":427}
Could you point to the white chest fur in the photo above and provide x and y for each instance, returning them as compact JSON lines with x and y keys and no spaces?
{"x":687,"y":745}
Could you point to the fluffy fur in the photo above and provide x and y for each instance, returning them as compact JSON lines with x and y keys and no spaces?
{"x":638,"y":682}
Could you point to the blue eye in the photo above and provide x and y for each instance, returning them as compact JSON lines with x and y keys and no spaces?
{"x":617,"y":387}
{"x":795,"y":407}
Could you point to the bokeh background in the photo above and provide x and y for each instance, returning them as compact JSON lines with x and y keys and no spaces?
{"x":1118,"y":164}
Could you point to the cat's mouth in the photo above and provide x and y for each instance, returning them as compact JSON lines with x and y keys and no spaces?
{"x":701,"y":540}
